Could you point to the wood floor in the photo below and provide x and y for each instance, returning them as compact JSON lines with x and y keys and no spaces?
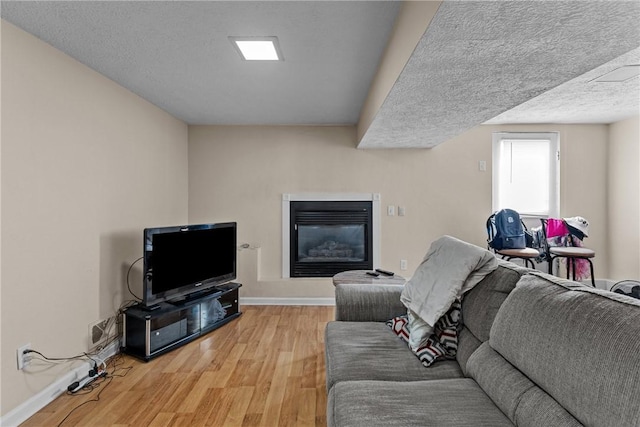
{"x":265,"y":368}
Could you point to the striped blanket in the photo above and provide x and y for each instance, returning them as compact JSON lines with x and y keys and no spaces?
{"x":441,"y":344}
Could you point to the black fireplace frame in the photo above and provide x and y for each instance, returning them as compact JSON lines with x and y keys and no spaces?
{"x":329,"y":213}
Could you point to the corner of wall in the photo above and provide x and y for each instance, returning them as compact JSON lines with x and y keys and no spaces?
{"x":623,"y":204}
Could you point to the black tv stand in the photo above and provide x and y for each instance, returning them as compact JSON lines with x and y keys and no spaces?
{"x":148,"y":334}
{"x":195,"y":295}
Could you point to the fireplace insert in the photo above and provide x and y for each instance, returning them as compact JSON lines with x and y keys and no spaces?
{"x":328,"y":237}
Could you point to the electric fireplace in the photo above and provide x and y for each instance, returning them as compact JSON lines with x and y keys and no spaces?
{"x":328,"y":237}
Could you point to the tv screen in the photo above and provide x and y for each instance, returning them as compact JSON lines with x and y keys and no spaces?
{"x":182,"y":260}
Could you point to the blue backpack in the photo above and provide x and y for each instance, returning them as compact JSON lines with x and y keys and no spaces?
{"x":505,"y":230}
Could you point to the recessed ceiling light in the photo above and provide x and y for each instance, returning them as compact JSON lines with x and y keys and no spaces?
{"x":257,"y":48}
{"x":620,"y":74}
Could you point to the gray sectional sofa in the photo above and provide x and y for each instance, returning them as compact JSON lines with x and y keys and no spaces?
{"x":534,"y":350}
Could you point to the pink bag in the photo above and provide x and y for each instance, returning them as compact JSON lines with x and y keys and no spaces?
{"x":556,"y":227}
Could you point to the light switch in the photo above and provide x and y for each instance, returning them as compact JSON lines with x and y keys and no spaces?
{"x":391,"y":210}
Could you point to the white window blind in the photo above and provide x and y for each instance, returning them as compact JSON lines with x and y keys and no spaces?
{"x":526,"y":173}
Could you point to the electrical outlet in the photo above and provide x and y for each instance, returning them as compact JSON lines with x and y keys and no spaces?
{"x":23,"y":359}
{"x":403,"y":264}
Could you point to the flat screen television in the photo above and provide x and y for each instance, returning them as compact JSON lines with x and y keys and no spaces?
{"x":182,"y":260}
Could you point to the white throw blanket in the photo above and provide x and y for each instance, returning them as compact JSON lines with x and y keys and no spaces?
{"x":450,"y":268}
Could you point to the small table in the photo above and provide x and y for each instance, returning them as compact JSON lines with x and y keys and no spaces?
{"x":362,"y":278}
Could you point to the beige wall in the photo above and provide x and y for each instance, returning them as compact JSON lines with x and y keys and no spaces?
{"x":86,"y":165}
{"x":583,"y":184}
{"x":239,"y":173}
{"x":624,"y":199}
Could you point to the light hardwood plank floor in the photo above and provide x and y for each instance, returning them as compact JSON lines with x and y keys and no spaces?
{"x":265,"y":368}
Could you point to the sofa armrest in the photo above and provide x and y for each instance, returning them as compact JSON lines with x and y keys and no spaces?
{"x":368,"y":303}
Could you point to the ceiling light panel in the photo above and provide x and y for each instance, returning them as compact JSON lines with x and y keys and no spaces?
{"x":257,"y":48}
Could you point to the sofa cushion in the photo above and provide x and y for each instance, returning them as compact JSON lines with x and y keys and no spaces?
{"x":481,"y":304}
{"x":467,"y":345}
{"x":498,"y":378}
{"x":368,"y":303}
{"x":537,"y":408}
{"x":370,"y":350}
{"x":508,"y":388}
{"x":579,"y":344}
{"x":454,"y":402}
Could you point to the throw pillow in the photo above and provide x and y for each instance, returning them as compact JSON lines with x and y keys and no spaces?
{"x":441,"y":344}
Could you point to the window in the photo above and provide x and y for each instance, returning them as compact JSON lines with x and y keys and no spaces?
{"x":526,"y":173}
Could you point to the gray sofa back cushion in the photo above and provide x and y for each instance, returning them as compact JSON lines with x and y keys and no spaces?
{"x":516,"y":395}
{"x":480,"y":306}
{"x":578,"y":344}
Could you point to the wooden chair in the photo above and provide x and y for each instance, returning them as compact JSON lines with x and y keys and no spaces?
{"x":571,"y":253}
{"x":527,"y":255}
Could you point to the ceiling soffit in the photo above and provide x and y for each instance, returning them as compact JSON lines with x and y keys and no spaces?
{"x":479,"y":59}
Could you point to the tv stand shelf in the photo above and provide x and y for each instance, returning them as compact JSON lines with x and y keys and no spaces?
{"x":150,"y":333}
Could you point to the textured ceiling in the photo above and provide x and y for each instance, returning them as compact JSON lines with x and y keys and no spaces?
{"x":479,"y":59}
{"x":478,"y":62}
{"x":573,"y":101}
{"x":177,"y":54}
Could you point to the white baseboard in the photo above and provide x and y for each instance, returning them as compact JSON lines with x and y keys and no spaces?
{"x":28,"y":408}
{"x":287,"y":301}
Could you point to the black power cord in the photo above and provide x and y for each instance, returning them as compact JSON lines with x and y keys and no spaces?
{"x":62,"y":359}
{"x":128,"y":285}
{"x":76,"y":386}
{"x":107,"y":379}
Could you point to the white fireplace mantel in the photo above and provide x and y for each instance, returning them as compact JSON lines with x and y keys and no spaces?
{"x":287,"y":198}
